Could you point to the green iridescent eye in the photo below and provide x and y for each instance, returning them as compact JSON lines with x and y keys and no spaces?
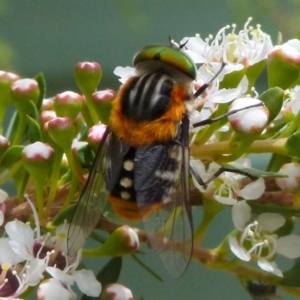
{"x":154,"y":57}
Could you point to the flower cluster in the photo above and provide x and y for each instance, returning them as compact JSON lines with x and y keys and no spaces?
{"x":50,"y":142}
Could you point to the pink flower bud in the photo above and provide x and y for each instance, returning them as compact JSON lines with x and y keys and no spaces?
{"x":104,"y":96}
{"x":95,"y":134}
{"x":68,"y":104}
{"x":286,"y":53}
{"x":116,"y":291}
{"x":123,"y":241}
{"x":6,"y":80}
{"x":87,"y":76}
{"x":252,"y":120}
{"x":37,"y":152}
{"x":8,"y":77}
{"x":4,"y":143}
{"x":47,"y":104}
{"x":22,"y":92}
{"x":290,"y":183}
{"x":37,"y":159}
{"x":62,"y":131}
{"x":47,"y":115}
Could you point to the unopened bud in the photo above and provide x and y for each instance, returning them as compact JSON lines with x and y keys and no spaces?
{"x":248,"y":120}
{"x":116,"y":291}
{"x":290,"y":183}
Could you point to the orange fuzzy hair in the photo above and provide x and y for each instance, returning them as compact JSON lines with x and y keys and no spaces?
{"x":144,"y":133}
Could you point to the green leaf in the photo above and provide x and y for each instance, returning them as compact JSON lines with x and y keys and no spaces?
{"x":292,"y":145}
{"x":254,"y":71}
{"x":232,"y":80}
{"x":13,"y":126}
{"x":273,"y":99}
{"x":12,"y":155}
{"x":145,"y":267}
{"x":42,"y":86}
{"x":111,"y":271}
{"x":34,"y":130}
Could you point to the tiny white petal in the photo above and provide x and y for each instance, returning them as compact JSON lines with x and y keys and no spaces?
{"x":270,"y":221}
{"x":226,"y":200}
{"x":237,"y":250}
{"x":87,"y":282}
{"x":241,"y":214}
{"x":269,"y":267}
{"x":289,"y":246}
{"x":34,"y":274}
{"x":7,"y":254}
{"x":60,"y":275}
{"x":253,"y":190}
{"x":21,"y":250}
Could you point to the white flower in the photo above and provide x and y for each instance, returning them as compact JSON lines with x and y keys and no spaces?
{"x":248,"y":47}
{"x":85,"y":279}
{"x":257,"y":241}
{"x":215,"y":95}
{"x":226,"y":188}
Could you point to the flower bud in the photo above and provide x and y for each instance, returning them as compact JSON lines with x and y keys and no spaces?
{"x":249,"y":120}
{"x":123,"y":241}
{"x":23,"y":91}
{"x":6,"y":80}
{"x":37,"y":159}
{"x":52,"y":289}
{"x":4,"y":145}
{"x":103,"y":103}
{"x":290,"y":183}
{"x":62,"y":131}
{"x":47,"y":115}
{"x":68,"y":104}
{"x":95,"y":134}
{"x":283,"y":65}
{"x":47,"y":104}
{"x":87,"y":76}
{"x":116,"y":291}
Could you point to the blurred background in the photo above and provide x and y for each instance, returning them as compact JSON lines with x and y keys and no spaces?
{"x":52,"y":36}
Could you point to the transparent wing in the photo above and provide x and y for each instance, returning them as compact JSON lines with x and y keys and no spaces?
{"x":162,"y":193}
{"x":91,"y":202}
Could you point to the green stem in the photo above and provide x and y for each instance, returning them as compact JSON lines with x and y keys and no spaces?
{"x":54,"y":178}
{"x":39,"y":192}
{"x":71,"y":193}
{"x":89,"y":102}
{"x":21,"y":129}
{"x":76,"y":170}
{"x":214,"y":151}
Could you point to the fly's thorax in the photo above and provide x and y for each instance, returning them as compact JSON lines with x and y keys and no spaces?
{"x":148,"y":108}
